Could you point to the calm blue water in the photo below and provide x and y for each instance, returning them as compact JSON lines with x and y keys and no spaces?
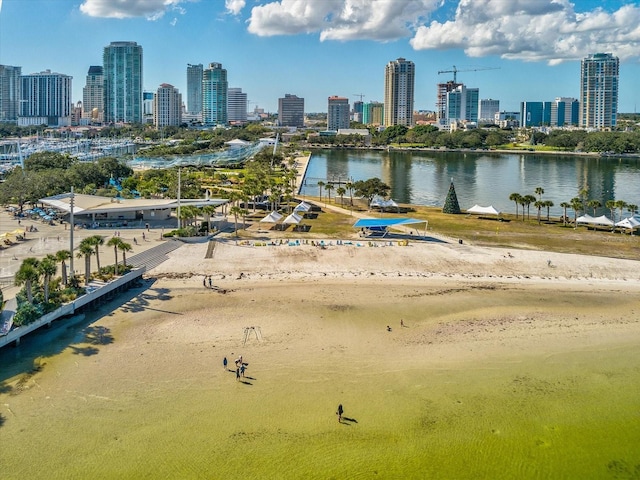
{"x":423,"y":178}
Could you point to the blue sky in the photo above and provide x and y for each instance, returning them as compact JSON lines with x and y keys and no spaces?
{"x":319,"y":48}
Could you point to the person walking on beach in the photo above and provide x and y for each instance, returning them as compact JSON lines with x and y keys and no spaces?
{"x":210,"y":283}
{"x":242,"y":367}
{"x":237,"y":374}
{"x":204,"y":281}
{"x":224,"y":362}
{"x":339,"y":413}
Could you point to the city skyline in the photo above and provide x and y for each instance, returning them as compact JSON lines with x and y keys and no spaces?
{"x":317,"y":50}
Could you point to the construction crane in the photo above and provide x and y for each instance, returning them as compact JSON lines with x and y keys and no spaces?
{"x":455,"y":71}
{"x":361,"y":95}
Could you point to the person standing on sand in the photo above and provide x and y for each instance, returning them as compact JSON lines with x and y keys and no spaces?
{"x":237,"y":374}
{"x":210,"y":283}
{"x":224,"y":362}
{"x":339,"y":413}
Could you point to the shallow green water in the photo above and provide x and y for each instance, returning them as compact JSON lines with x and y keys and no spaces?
{"x":576,"y":415}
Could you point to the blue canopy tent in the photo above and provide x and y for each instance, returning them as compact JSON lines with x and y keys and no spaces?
{"x":380,"y":226}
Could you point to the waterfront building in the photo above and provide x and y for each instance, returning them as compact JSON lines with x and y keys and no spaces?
{"x":338,"y":113}
{"x":488,"y":109}
{"x":167,"y":107}
{"x":214,"y":95}
{"x":564,"y":111}
{"x":93,"y":95}
{"x":373,"y":113}
{"x":399,"y":80}
{"x":599,"y":79}
{"x":122,"y":69}
{"x":236,"y":106}
{"x":291,"y":111}
{"x":462,"y":105}
{"x":9,"y":92}
{"x":45,"y":98}
{"x":194,"y":89}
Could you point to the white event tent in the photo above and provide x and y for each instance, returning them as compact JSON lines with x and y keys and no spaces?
{"x":490,"y":210}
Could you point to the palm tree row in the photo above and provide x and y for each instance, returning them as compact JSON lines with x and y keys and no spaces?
{"x":578,"y":204}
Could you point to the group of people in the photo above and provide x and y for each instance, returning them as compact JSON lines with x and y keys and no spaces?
{"x":240,"y":366}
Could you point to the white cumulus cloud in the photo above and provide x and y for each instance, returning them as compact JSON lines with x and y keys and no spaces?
{"x":150,"y":9}
{"x":234,"y":7}
{"x":341,"y":19}
{"x":533,"y":30}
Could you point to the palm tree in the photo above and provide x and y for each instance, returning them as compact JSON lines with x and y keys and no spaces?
{"x":27,"y":274}
{"x":515,"y":197}
{"x":621,"y":204}
{"x":96,"y":241}
{"x":539,"y":191}
{"x":124,"y":247}
{"x":576,"y":205}
{"x":611,"y":205}
{"x":236,"y":211}
{"x":528,"y":200}
{"x":62,"y":256}
{"x":594,"y":204}
{"x":548,"y":204}
{"x":47,"y":268}
{"x":328,"y":187}
{"x":341,"y":191}
{"x":320,"y":185}
{"x":115,"y":243}
{"x":632,"y":209}
{"x":85,"y":249}
{"x":564,"y":206}
{"x":539,"y":204}
{"x":349,"y":186}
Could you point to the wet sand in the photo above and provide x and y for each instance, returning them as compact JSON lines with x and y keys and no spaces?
{"x":506,"y":367}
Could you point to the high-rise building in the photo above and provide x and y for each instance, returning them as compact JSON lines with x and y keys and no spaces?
{"x":9,"y":92}
{"x":214,"y":95}
{"x":399,"y":80}
{"x":167,"y":106}
{"x":373,"y":113}
{"x":599,"y":76}
{"x":441,"y":102}
{"x":148,"y":104}
{"x":291,"y":111}
{"x":488,"y":109}
{"x":93,"y":95}
{"x":357,"y":111}
{"x":237,"y":106}
{"x":338,"y":113}
{"x":194,"y":89}
{"x":462,"y":105}
{"x":564,"y":111}
{"x":122,"y":69}
{"x":45,"y":98}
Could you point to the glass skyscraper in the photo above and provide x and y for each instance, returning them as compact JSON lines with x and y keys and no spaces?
{"x":93,"y":95}
{"x":45,"y":98}
{"x":122,"y":63}
{"x":599,"y":91}
{"x":214,"y":95}
{"x":9,"y":92}
{"x":194,"y":89}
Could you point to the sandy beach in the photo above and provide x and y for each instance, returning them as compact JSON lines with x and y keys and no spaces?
{"x":509,"y":364}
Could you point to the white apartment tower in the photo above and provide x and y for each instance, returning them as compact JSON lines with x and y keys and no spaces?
{"x":93,"y":95}
{"x":45,"y":98}
{"x":167,"y":108}
{"x":399,"y":80}
{"x":599,"y":75}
